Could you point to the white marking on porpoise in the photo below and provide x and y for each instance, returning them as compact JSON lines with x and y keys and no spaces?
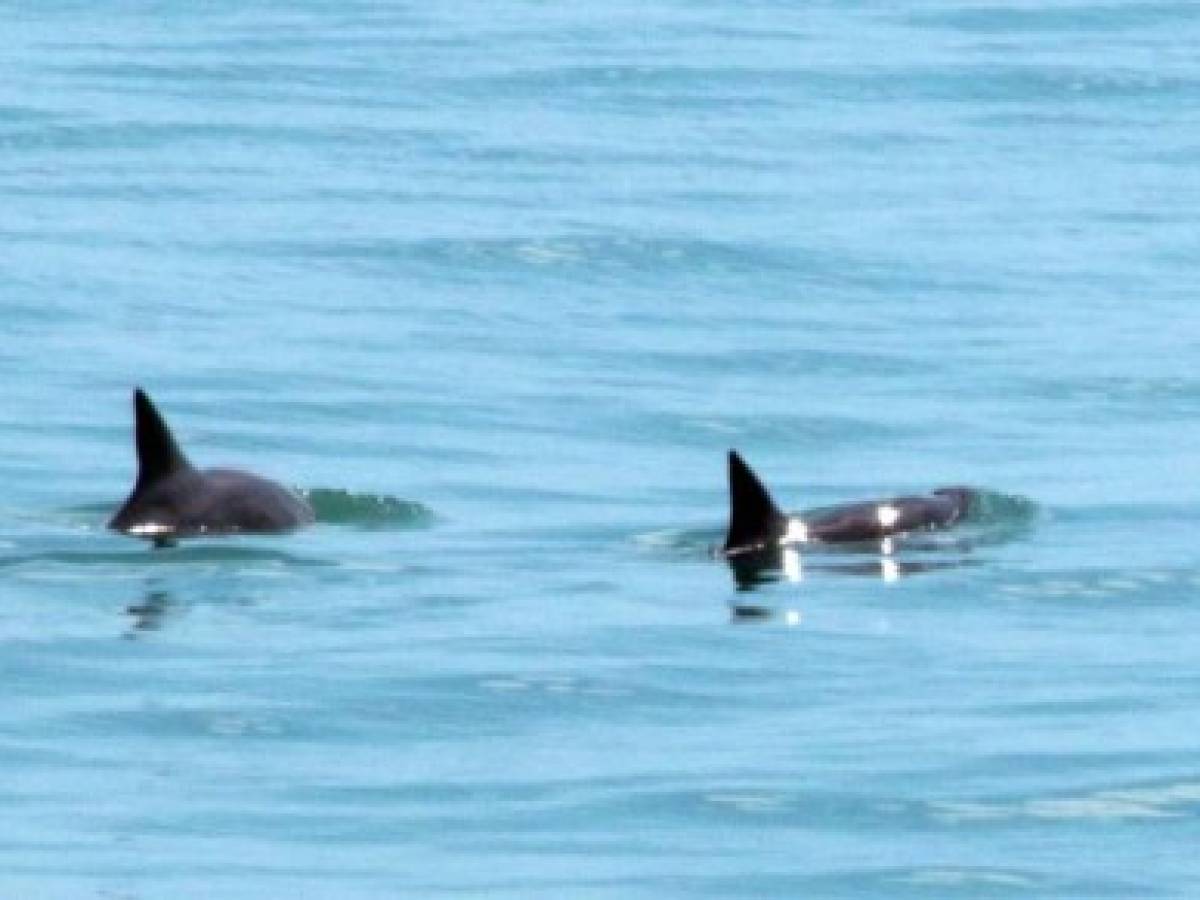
{"x":797,"y":533}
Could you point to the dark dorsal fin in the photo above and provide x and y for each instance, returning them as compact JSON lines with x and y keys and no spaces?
{"x":753,"y":516}
{"x":158,"y":454}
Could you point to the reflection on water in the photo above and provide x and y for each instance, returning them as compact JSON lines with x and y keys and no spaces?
{"x":149,"y":613}
{"x":786,"y":564}
{"x":791,"y":564}
{"x":749,"y":612}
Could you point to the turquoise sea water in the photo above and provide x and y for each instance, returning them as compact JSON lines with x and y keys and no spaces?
{"x":500,"y":283}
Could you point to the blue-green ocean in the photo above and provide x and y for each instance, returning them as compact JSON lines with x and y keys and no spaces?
{"x":499,"y":285}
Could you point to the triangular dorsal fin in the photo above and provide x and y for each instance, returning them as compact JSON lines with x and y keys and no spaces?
{"x":754,"y":519}
{"x":158,"y":454}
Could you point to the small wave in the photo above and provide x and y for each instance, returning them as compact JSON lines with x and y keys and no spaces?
{"x":136,"y":555}
{"x":340,"y":507}
{"x":994,"y":507}
{"x":998,"y":518}
{"x":92,"y":510}
{"x":1149,"y":586}
{"x":1140,"y":802}
{"x":966,"y":878}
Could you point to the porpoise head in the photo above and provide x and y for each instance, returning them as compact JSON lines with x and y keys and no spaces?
{"x":961,"y":499}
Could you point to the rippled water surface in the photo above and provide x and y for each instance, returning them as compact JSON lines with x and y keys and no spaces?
{"x":497,"y":285}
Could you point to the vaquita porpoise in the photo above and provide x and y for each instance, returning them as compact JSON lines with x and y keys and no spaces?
{"x":173,"y":499}
{"x":757,"y":525}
